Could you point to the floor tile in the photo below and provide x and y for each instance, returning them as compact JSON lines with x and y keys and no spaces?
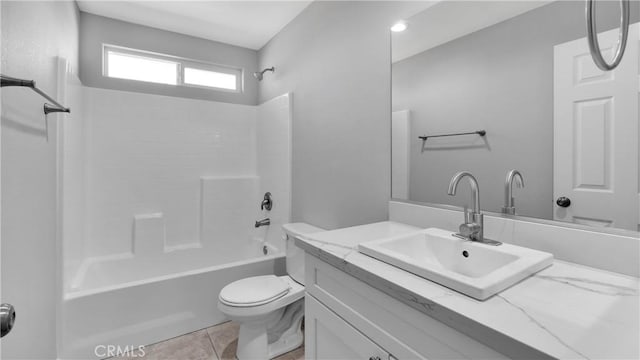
{"x":215,"y":343}
{"x":296,"y":354}
{"x":192,"y":346}
{"x":225,"y":339}
{"x":225,"y":342}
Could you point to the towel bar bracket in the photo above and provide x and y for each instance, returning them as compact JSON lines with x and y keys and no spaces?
{"x":48,"y":108}
{"x":9,"y":81}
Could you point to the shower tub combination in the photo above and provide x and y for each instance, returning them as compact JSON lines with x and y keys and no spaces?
{"x":157,"y":290}
{"x":152,"y":229}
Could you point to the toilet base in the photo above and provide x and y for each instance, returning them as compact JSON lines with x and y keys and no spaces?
{"x":274,"y":335}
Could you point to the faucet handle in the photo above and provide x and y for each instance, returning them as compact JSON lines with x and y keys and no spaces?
{"x":468,"y":217}
{"x":267,"y":202}
{"x":470,"y":230}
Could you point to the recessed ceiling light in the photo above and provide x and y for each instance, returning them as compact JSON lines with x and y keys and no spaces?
{"x":399,"y":26}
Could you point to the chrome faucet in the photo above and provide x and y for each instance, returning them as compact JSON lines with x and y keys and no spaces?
{"x":263,"y":222}
{"x":509,"y":203}
{"x":473,"y":226}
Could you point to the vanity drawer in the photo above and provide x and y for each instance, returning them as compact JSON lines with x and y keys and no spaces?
{"x":401,"y":330}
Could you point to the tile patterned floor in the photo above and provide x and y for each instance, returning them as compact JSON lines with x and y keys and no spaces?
{"x":215,"y":343}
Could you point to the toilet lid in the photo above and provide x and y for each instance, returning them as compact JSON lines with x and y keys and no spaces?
{"x":253,"y":291}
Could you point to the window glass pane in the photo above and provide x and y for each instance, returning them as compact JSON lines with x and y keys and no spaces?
{"x":125,"y":66}
{"x":210,"y":78}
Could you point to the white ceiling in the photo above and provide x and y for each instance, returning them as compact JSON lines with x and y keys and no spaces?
{"x":250,"y":24}
{"x":444,"y":21}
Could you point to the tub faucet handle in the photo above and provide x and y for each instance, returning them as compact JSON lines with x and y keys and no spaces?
{"x":7,"y":319}
{"x":267,"y":202}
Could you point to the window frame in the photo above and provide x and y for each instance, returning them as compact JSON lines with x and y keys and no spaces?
{"x":181,"y":62}
{"x":197,"y":65}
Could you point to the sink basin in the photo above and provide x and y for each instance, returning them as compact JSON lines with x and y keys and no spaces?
{"x":474,"y":269}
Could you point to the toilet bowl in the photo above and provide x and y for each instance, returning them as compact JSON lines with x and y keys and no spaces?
{"x":270,"y":308}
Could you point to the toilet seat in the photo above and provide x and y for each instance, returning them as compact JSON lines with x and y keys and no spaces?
{"x":254,"y":291}
{"x":295,"y":292}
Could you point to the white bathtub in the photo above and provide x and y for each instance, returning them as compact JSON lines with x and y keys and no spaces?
{"x":126,"y":301}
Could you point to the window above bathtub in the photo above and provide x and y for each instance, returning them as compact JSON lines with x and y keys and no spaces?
{"x":138,"y":65}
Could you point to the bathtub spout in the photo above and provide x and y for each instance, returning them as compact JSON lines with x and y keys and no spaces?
{"x":263,"y":222}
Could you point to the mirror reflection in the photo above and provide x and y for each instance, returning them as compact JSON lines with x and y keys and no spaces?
{"x":517,"y":89}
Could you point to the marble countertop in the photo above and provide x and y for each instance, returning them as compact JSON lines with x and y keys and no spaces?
{"x":564,"y":311}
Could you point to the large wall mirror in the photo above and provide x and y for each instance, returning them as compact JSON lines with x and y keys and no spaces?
{"x":520,"y":73}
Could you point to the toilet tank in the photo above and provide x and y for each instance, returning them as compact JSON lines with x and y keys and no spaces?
{"x":295,"y":255}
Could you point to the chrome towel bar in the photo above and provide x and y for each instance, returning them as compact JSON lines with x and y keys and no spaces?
{"x":479,"y":132}
{"x":48,"y":108}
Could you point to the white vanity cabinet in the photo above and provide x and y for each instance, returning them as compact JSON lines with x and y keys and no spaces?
{"x":345,"y":318}
{"x":334,"y":338}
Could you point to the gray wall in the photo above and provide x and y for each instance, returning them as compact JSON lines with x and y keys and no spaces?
{"x":33,"y":34}
{"x":335,"y":58}
{"x":499,"y":79}
{"x":96,"y":30}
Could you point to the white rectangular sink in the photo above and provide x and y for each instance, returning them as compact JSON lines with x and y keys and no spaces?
{"x":474,"y":269}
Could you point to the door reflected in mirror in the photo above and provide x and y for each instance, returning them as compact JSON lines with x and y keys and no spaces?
{"x":517,"y":89}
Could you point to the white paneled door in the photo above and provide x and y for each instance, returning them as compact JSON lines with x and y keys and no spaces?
{"x":596,"y":135}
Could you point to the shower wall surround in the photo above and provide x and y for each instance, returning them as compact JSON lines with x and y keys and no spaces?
{"x":72,"y":171}
{"x":146,"y":154}
{"x":274,"y":152}
{"x":151,"y":175}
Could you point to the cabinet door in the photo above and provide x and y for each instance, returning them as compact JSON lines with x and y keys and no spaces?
{"x":328,"y":336}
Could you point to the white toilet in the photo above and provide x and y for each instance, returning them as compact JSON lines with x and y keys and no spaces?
{"x":270,"y":308}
